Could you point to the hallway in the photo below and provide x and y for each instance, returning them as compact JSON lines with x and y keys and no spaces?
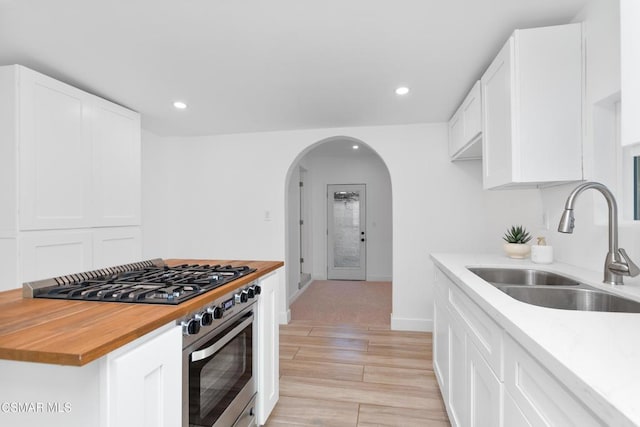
{"x":338,"y":370}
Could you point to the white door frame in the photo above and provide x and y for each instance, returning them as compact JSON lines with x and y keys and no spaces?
{"x":358,"y":272}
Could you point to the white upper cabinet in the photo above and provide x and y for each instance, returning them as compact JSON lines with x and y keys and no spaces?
{"x":70,"y":179}
{"x":115,"y":140}
{"x":630,"y":68}
{"x":76,"y":157}
{"x":465,"y":127}
{"x":53,"y":148}
{"x":532,"y":109}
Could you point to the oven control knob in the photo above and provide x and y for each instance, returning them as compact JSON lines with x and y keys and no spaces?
{"x":190,"y":327}
{"x":205,"y":318}
{"x":242,"y":297}
{"x":257,"y":289}
{"x":216,"y":312}
{"x":251,"y":293}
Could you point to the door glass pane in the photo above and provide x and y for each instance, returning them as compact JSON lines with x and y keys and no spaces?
{"x":346,"y":219}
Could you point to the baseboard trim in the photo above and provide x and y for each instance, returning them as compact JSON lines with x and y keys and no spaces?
{"x":379,"y":278}
{"x":407,"y":324}
{"x":299,"y":292}
{"x":285,"y":317}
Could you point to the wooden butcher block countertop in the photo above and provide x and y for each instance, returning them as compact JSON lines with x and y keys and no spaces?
{"x":78,"y":332}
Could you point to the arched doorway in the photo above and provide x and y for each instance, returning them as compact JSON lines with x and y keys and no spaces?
{"x":331,"y":161}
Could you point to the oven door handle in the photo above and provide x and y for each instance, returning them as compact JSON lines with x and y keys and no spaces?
{"x":206,"y":352}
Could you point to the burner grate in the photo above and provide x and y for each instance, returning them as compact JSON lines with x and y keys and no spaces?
{"x":149,"y":281}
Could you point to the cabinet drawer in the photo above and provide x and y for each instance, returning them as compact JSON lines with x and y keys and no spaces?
{"x":483,"y":331}
{"x":541,"y":398}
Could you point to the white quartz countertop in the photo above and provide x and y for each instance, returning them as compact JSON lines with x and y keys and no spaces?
{"x":595,"y":354}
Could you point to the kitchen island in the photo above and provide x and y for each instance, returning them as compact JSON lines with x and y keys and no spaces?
{"x":528,"y":364}
{"x":108,"y":363}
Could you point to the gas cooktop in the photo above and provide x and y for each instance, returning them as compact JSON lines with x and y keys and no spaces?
{"x":151,"y":282}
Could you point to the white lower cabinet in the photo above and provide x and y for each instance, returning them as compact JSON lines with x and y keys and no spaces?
{"x":138,"y":385}
{"x":489,"y":379}
{"x":512,"y":414}
{"x":457,"y":397}
{"x":485,"y":391}
{"x":441,"y":341}
{"x":475,"y":392}
{"x":268,"y":368}
{"x":145,"y":382}
{"x":543,"y":400}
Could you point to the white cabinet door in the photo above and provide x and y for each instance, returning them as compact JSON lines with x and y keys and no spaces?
{"x":472,"y":113}
{"x":497,"y":110}
{"x":480,"y":328}
{"x":513,"y":415}
{"x":630,"y":68}
{"x":485,"y":391}
{"x":541,"y":398}
{"x":116,"y":246}
{"x":458,"y":379}
{"x":441,"y":341}
{"x":465,"y":127}
{"x":45,"y":254}
{"x":456,"y":133}
{"x":145,"y":383}
{"x":54,"y":150}
{"x":268,"y":378}
{"x":532,"y":107}
{"x":115,"y":141}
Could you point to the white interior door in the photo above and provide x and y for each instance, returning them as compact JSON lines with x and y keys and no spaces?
{"x":346,"y":234}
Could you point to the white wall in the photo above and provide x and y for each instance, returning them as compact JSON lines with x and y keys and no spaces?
{"x":356,"y":167}
{"x":218,"y":189}
{"x":155,"y":185}
{"x":588,"y":244}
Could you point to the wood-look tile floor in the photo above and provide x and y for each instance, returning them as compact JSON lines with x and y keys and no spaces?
{"x":356,"y":376}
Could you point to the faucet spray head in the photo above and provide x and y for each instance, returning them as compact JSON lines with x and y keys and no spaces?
{"x":566,"y":221}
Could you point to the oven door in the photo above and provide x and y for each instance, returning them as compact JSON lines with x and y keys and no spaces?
{"x":220,"y":374}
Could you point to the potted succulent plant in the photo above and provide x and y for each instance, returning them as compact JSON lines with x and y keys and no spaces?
{"x":516,"y":239}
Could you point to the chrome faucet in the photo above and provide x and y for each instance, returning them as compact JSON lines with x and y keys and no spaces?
{"x":617,"y":263}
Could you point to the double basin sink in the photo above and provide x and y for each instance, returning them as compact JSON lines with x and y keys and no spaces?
{"x":552,"y":290}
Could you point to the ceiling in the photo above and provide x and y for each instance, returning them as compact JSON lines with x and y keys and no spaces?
{"x":251,"y":65}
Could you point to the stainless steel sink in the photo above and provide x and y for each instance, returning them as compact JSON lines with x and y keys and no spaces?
{"x":512,"y":276}
{"x":580,"y":298}
{"x":552,"y":290}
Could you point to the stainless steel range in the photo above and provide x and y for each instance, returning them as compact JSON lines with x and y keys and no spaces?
{"x":150,"y":282}
{"x":219,"y":343}
{"x":219,"y":340}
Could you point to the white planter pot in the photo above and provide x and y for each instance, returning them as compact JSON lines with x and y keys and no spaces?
{"x":517,"y":250}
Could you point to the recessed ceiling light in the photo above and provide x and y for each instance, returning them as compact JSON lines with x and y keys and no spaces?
{"x":180,"y":105}
{"x":402,"y":90}
{"x":355,"y":147}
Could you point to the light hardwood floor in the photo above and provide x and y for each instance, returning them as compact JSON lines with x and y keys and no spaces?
{"x":356,"y":376}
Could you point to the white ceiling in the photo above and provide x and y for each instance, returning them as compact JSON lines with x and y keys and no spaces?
{"x":252,"y":65}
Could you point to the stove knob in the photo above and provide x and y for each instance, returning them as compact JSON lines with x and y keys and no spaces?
{"x":257,"y":289}
{"x":190,"y":327}
{"x":251,"y":293}
{"x":205,"y":318}
{"x":216,"y":311}
{"x":241,"y":297}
